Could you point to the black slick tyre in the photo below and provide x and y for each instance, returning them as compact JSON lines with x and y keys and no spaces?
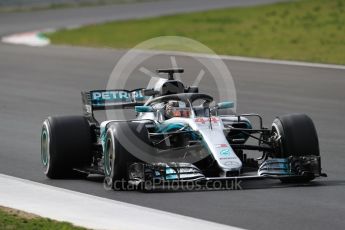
{"x":297,"y":137}
{"x":65,"y":145}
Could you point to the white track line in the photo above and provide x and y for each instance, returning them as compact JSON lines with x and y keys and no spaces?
{"x":91,"y":211}
{"x":282,"y":62}
{"x":245,"y":59}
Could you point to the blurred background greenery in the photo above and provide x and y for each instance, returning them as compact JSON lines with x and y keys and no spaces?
{"x":306,"y":30}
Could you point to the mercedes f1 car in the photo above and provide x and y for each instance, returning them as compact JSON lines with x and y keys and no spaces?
{"x":177,"y":136}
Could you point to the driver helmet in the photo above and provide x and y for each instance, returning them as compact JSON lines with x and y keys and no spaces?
{"x":176,"y":109}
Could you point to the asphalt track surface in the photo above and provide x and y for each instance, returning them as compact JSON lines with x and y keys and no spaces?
{"x":37,"y":20}
{"x":38,"y":82}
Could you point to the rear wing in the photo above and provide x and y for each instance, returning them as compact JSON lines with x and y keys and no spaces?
{"x":111,"y":99}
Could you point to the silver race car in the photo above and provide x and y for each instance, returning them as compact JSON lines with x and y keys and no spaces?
{"x":177,"y":137}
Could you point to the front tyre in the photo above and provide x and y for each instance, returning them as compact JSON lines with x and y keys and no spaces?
{"x":117,"y":158}
{"x":65,"y":145}
{"x":295,"y":135}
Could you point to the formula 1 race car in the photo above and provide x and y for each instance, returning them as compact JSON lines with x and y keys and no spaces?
{"x":177,"y":136}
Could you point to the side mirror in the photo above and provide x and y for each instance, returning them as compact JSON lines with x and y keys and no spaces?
{"x":143,"y":109}
{"x":150,"y":92}
{"x":225,"y":105}
{"x":192,"y":89}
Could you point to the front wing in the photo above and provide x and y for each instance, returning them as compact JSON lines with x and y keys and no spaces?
{"x":182,"y":176}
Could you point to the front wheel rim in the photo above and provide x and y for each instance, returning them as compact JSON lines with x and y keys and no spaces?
{"x":277,"y":138}
{"x":109,"y":158}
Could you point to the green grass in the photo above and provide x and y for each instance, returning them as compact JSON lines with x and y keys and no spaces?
{"x":307,"y":30}
{"x":12,"y":220}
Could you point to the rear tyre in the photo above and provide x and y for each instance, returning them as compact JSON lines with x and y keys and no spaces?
{"x":296,"y":136}
{"x":65,"y":145}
